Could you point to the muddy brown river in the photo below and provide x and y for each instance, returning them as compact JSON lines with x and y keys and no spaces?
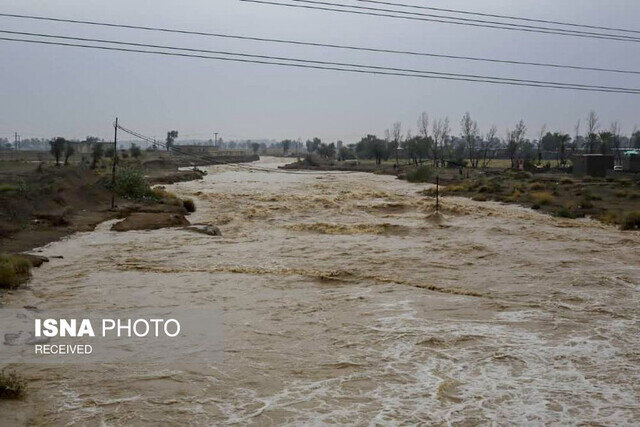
{"x":346,"y":301}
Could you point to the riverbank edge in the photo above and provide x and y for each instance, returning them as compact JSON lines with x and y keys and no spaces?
{"x":522,"y":189}
{"x":93,"y":212}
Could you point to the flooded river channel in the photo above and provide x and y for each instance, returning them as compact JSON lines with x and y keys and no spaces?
{"x":346,"y":301}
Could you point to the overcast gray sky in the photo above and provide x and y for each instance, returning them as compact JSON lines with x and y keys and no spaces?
{"x":73,"y":92}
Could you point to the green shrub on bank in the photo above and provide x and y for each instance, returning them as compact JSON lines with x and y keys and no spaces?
{"x":586,"y":203}
{"x":422,"y":174}
{"x":12,"y":385}
{"x":13,"y":271}
{"x":542,"y":197}
{"x":566,"y":213}
{"x":130,"y":183}
{"x":631,"y":221}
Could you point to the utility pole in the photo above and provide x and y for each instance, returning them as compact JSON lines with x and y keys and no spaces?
{"x":16,"y":141}
{"x":215,"y":139}
{"x":113,"y":169}
{"x":437,"y":193}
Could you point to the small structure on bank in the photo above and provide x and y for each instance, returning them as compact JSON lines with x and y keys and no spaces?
{"x":592,"y":164}
{"x":631,"y":161}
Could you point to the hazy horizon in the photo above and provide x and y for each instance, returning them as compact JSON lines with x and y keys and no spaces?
{"x":74,"y":92}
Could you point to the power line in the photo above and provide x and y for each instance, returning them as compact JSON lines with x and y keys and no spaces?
{"x":342,"y":64}
{"x":315,"y":44}
{"x":490,"y":15}
{"x":519,"y":26}
{"x":363,"y":69}
{"x":310,"y":61}
{"x":448,"y":20}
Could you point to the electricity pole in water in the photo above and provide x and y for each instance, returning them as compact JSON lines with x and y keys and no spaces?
{"x":113,"y":169}
{"x":437,"y":193}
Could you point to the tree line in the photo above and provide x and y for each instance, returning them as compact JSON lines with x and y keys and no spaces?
{"x":436,"y":142}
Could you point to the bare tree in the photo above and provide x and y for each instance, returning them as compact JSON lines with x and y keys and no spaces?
{"x":424,"y":147}
{"x":396,"y":139}
{"x":593,"y":124}
{"x":514,"y":141}
{"x":616,"y":141}
{"x":423,"y":125}
{"x":487,"y":144}
{"x":562,"y":140}
{"x":470,"y":132}
{"x":440,"y":133}
{"x":437,"y":140}
{"x":543,"y":132}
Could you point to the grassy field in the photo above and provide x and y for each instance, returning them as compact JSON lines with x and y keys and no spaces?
{"x":610,"y":200}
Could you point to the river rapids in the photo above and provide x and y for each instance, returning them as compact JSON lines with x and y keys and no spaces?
{"x":347,"y":300}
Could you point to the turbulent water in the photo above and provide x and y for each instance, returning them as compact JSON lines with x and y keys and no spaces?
{"x":346,"y":300}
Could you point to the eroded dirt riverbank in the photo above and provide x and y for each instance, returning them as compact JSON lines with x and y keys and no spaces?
{"x":345,"y":302}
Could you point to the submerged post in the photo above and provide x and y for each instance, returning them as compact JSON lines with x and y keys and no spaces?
{"x":437,"y":193}
{"x":113,"y":169}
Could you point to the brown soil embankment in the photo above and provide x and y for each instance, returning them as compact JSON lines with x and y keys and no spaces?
{"x":43,"y":203}
{"x":150,"y":221}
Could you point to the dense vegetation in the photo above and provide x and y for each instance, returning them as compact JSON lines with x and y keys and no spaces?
{"x":14,"y":270}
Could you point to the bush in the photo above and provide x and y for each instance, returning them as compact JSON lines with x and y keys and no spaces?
{"x":542,"y":197}
{"x":131,"y":184}
{"x":12,"y":385}
{"x":135,"y":151}
{"x":537,"y":186}
{"x":13,"y":271}
{"x":422,"y":174}
{"x":591,"y":197}
{"x":565,"y":213}
{"x":610,"y":218}
{"x":631,"y":221}
{"x":586,"y":203}
{"x":189,"y":205}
